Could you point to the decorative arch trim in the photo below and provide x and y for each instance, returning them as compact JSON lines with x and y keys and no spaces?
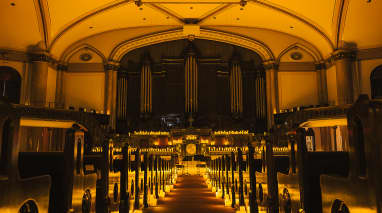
{"x":260,"y":48}
{"x":68,"y":54}
{"x":317,"y":57}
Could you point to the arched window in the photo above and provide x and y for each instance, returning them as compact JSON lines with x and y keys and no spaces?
{"x":10,"y":84}
{"x":376,"y":82}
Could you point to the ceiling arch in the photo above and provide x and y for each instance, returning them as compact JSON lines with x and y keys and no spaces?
{"x":312,"y":53}
{"x":120,"y":50}
{"x":326,"y":24}
{"x":68,"y":55}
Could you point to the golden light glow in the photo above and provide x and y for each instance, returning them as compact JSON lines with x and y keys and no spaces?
{"x":150,"y":133}
{"x":191,"y":137}
{"x":325,"y":122}
{"x":177,"y":141}
{"x":97,"y":149}
{"x":46,"y":123}
{"x":240,"y":132}
{"x":204,"y":141}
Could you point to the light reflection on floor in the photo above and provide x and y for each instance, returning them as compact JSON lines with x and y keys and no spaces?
{"x":190,"y":195}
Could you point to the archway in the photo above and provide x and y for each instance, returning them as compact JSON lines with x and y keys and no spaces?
{"x":376,"y":82}
{"x":169,"y":89}
{"x":10,"y":84}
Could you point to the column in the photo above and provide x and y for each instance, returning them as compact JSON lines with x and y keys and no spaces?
{"x":271,"y":91}
{"x":322,"y":88}
{"x":111,"y":77}
{"x":191,"y":80}
{"x":236,"y":86}
{"x":146,"y":86}
{"x":60,"y":99}
{"x":39,"y":78}
{"x":344,"y":61}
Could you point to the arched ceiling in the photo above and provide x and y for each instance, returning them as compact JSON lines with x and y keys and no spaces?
{"x":322,"y":25}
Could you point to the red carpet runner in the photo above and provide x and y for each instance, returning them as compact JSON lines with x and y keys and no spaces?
{"x":190,"y":195}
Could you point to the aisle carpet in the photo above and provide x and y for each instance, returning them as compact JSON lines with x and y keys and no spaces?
{"x":190,"y":195}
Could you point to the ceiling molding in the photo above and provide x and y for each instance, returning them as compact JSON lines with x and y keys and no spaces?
{"x":299,"y":18}
{"x":120,"y":50}
{"x":339,"y":19}
{"x":43,"y":19}
{"x":215,"y":11}
{"x":65,"y":58}
{"x":85,"y":17}
{"x":312,"y":53}
{"x":166,"y":11}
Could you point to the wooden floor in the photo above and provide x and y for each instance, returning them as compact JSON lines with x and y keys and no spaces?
{"x":190,"y":195}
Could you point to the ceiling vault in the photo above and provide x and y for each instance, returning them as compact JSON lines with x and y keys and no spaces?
{"x":216,"y":11}
{"x":339,"y":19}
{"x":42,"y":11}
{"x":167,"y":12}
{"x":308,"y":23}
{"x":84,"y":17}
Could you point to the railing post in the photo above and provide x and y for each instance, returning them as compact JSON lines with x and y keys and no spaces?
{"x":137,"y":168}
{"x":272,"y":179}
{"x":222,"y":171}
{"x":241,"y":191}
{"x":156,"y":164}
{"x":145,"y":190}
{"x":124,"y":203}
{"x":233,"y":179}
{"x":227,"y":167}
{"x":252,"y":178}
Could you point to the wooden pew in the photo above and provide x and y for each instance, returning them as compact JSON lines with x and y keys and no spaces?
{"x":361,"y":189}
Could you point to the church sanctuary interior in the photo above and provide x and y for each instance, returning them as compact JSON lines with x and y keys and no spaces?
{"x":190,"y":106}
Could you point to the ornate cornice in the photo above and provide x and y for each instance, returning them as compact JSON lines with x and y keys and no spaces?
{"x":111,"y":65}
{"x":343,"y":54}
{"x":62,"y":67}
{"x":40,"y":57}
{"x":269,"y":65}
{"x":320,"y":66}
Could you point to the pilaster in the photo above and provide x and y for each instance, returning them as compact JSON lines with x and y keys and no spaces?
{"x":271,"y":78}
{"x":344,"y":62}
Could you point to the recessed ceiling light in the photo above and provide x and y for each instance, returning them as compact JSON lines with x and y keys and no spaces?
{"x":13,"y":4}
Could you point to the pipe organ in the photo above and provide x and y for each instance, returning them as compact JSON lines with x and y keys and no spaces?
{"x":261,"y":105}
{"x":122,"y":96}
{"x":191,"y":82}
{"x":160,"y":86}
{"x":236,"y":86}
{"x":146,"y":87}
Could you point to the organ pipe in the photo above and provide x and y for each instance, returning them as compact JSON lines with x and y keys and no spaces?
{"x":122,"y":97}
{"x":146,"y":87}
{"x":191,"y":82}
{"x":236,"y":87}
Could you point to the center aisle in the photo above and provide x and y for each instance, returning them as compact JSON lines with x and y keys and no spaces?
{"x":190,"y":195}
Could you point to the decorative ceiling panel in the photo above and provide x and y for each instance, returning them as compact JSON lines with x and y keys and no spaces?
{"x":363,"y":24}
{"x":19,"y":26}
